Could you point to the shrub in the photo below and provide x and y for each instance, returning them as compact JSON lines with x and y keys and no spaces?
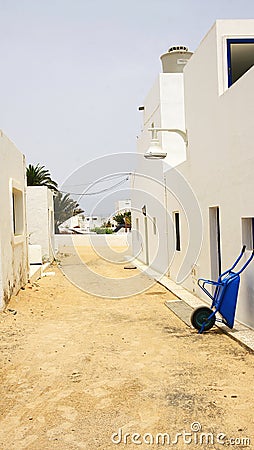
{"x":103,"y":230}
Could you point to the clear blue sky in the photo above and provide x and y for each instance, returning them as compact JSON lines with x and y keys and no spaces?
{"x":73,"y":72}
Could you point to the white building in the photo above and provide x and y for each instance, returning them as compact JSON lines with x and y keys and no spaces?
{"x":123,"y":206}
{"x":212,"y":190}
{"x":82,"y":223}
{"x":40,"y":221}
{"x":13,"y":234}
{"x":92,"y":222}
{"x":164,"y":108}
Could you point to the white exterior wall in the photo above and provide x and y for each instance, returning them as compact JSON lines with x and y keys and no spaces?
{"x":148,"y":191}
{"x":40,"y":219}
{"x":13,"y":247}
{"x":165,"y":109}
{"x":220,"y":154}
{"x":202,"y":123}
{"x":172,"y":116}
{"x":220,"y":159}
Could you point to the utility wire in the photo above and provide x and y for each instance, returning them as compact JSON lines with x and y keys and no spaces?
{"x":107,"y":178}
{"x":97,"y":192}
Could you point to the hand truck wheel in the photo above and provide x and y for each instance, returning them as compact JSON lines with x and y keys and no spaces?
{"x":200,"y":315}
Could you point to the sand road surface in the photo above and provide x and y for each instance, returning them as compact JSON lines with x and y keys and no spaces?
{"x":84,"y":372}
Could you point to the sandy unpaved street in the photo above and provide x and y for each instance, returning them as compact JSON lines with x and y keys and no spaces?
{"x":77,"y":368}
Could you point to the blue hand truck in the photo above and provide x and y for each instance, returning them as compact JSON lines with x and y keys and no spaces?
{"x":224,"y":299}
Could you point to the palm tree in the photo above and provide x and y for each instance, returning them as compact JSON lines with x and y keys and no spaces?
{"x":39,"y":176}
{"x":64,"y":207}
{"x":127,"y":219}
{"x":123,"y":218}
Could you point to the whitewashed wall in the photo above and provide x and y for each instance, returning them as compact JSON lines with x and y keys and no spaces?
{"x":220,"y":155}
{"x":220,"y":159}
{"x":40,"y":219}
{"x":164,"y":108}
{"x":13,"y":246}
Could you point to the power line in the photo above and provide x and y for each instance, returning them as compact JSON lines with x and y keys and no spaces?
{"x":101,"y":180}
{"x":97,"y":192}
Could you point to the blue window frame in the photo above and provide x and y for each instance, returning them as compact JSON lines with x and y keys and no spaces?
{"x":240,"y":56}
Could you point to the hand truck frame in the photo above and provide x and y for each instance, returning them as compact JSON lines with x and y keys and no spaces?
{"x":224,"y":300}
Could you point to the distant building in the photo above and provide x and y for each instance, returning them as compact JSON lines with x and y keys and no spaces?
{"x":123,"y":206}
{"x":81,"y":223}
{"x":92,"y":222}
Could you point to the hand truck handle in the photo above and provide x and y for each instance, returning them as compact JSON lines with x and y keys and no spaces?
{"x":247,"y":263}
{"x":235,"y":263}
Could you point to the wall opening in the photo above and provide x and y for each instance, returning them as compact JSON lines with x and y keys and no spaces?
{"x":18,"y":212}
{"x":248,"y":232}
{"x":177,"y":231}
{"x":137,"y":228}
{"x":154,"y":225}
{"x":240,"y":54}
{"x":146,"y":241}
{"x":215,"y":241}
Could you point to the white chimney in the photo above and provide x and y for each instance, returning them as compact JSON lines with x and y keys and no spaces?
{"x":175,"y":59}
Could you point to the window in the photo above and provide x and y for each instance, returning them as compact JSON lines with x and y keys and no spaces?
{"x":215,"y":241}
{"x":240,"y":54}
{"x":154,"y":225}
{"x":248,"y":232}
{"x":177,"y":231}
{"x":137,"y":228}
{"x":18,"y":214}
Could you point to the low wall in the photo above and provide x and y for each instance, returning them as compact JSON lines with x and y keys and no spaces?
{"x":101,"y":240}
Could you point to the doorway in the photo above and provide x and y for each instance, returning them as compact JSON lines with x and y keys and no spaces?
{"x":146,"y":241}
{"x":215,"y":242}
